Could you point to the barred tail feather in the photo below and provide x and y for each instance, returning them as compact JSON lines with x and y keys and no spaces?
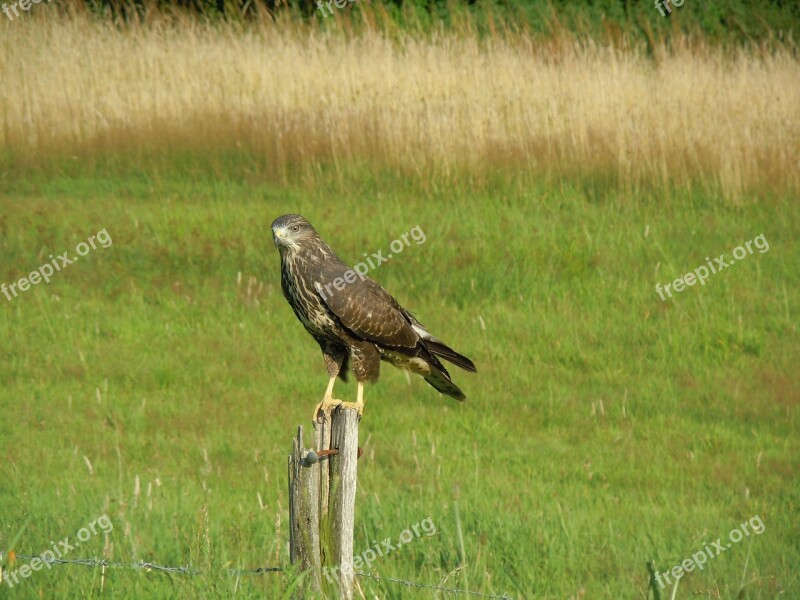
{"x":443,"y":384}
{"x":438,"y":348}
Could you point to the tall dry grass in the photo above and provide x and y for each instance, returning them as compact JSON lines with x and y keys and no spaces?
{"x":295,"y":95}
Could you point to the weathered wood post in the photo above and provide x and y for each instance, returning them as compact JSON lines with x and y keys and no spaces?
{"x":303,"y":515}
{"x":322,"y":500}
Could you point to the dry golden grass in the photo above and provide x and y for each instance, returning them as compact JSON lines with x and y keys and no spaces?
{"x":446,"y":104}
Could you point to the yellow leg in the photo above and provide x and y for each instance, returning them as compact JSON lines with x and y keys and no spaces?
{"x":329,"y":392}
{"x":328,"y":401}
{"x":360,"y":398}
{"x":359,"y":403}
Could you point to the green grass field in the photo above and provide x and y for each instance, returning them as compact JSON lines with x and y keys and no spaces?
{"x":151,"y":389}
{"x":159,"y":381}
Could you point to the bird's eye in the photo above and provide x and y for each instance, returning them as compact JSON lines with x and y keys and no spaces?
{"x":294,"y":228}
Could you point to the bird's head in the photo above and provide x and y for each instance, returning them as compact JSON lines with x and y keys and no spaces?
{"x":289,"y":232}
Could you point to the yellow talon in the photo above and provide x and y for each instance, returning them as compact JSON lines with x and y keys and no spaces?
{"x":329,"y":403}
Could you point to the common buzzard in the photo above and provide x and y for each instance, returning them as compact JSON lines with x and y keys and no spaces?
{"x":354,"y":320}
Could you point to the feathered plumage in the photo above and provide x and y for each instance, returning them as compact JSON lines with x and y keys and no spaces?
{"x":355,"y":321}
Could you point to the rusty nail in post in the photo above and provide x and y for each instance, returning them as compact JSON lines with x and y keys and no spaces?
{"x":313,"y":458}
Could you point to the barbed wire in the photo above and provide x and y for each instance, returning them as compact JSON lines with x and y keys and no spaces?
{"x":187,"y":570}
{"x":148,"y":566}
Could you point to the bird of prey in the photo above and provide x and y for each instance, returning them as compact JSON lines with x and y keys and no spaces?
{"x":353,"y":319}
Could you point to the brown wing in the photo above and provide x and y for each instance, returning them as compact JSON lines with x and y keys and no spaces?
{"x":368,"y":310}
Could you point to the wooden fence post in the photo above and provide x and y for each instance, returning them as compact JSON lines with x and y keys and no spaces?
{"x":303,"y":512}
{"x":322,"y":499}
